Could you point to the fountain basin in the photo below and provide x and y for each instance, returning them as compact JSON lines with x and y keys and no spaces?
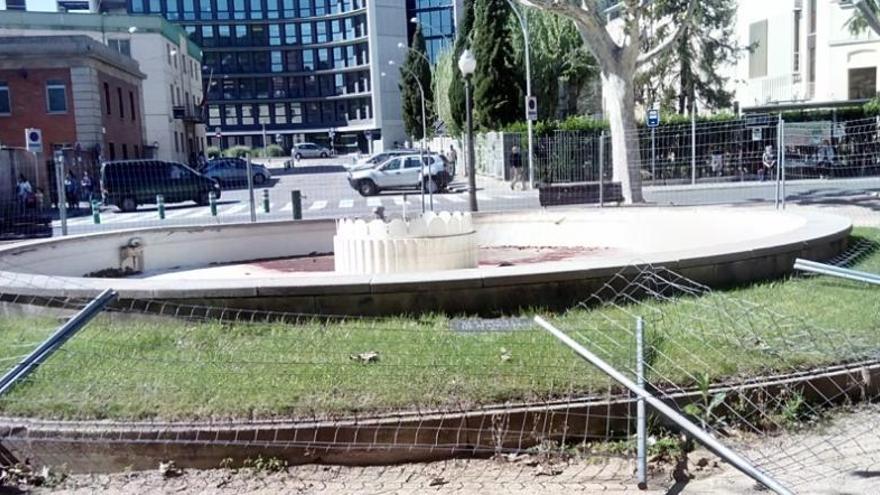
{"x":714,"y":246}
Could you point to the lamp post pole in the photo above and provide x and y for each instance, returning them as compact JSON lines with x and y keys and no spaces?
{"x":472,"y":176}
{"x":524,"y":24}
{"x":467,"y":64}
{"x":424,"y":140}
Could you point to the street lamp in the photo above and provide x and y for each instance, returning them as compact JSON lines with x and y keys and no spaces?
{"x":424,"y":136}
{"x":524,"y":24}
{"x":467,"y":64}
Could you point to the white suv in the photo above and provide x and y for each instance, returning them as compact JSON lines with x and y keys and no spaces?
{"x":402,"y":172}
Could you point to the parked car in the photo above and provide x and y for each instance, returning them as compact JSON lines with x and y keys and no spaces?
{"x":309,"y":150}
{"x":379,"y":158}
{"x":130,"y":183}
{"x":234,"y":170}
{"x":401,"y":172}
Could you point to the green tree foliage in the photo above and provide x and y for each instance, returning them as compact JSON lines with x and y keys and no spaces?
{"x":691,"y":70}
{"x":866,"y":16}
{"x":498,"y":97}
{"x":456,"y":86}
{"x":415,"y":70}
{"x":443,"y":76}
{"x":560,"y":62}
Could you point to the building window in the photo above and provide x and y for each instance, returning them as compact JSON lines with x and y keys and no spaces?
{"x":758,"y":56}
{"x":56,"y":97}
{"x":247,"y":115}
{"x":131,"y":105}
{"x":112,"y":148}
{"x":107,"y":98}
{"x":5,"y":103}
{"x":862,"y":83}
{"x":214,"y":115}
{"x":121,"y":105}
{"x":136,"y":152}
{"x":296,"y":113}
{"x":121,"y":46}
{"x":125,"y":152}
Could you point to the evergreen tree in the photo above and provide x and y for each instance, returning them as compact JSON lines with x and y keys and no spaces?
{"x":498,"y":97}
{"x":443,"y":75}
{"x":456,"y":86}
{"x":691,"y":70}
{"x":416,"y":66}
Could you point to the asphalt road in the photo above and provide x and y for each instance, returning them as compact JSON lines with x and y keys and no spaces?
{"x":327,"y":194}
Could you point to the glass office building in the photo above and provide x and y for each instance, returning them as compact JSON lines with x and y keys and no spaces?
{"x":285,"y":71}
{"x":437,"y":18}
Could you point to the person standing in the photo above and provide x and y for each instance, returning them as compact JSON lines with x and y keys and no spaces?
{"x":87,"y":187}
{"x":23,"y":191}
{"x":70,"y":191}
{"x":768,"y":163}
{"x":516,"y":168}
{"x":452,"y":158}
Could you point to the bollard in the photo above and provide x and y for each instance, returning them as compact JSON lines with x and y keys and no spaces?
{"x":212,"y":200}
{"x":265,"y":201}
{"x":160,"y":202}
{"x":96,"y":212}
{"x":296,"y":201}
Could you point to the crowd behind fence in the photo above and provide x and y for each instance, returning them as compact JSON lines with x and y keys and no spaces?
{"x":679,"y":163}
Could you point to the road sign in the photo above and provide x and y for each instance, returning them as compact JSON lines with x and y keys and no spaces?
{"x":33,"y":140}
{"x":532,"y":108}
{"x":757,"y":133}
{"x":653,"y":118}
{"x":757,"y":119}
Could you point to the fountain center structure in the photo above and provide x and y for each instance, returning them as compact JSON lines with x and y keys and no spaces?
{"x":428,"y":242}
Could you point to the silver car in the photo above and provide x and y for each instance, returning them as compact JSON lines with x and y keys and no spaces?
{"x":234,"y":170}
{"x":401,"y":172}
{"x":309,"y":150}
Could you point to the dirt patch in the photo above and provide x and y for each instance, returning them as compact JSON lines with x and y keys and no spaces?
{"x":491,"y":256}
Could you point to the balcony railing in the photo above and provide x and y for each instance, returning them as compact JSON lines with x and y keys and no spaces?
{"x":188,"y":114}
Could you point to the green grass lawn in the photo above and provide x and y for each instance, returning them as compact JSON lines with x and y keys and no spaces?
{"x":121,"y":367}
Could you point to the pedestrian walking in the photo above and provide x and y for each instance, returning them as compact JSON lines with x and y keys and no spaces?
{"x":516,"y":168}
{"x":452,"y":159}
{"x":716,"y":162}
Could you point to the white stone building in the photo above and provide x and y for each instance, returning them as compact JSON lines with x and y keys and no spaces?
{"x":804,"y":53}
{"x":172,"y":92}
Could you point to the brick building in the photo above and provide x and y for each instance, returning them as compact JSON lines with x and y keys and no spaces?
{"x":82,"y":94}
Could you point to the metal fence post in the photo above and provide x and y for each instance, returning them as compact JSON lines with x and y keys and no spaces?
{"x":641,"y":427}
{"x":782,"y":162}
{"x":250,"y":182}
{"x":736,"y":460}
{"x":212,"y":200}
{"x":653,"y":157}
{"x":62,"y":196}
{"x":694,"y":143}
{"x":265,"y":201}
{"x":56,"y":340}
{"x":296,"y":204}
{"x":601,"y":169}
{"x":779,"y":153}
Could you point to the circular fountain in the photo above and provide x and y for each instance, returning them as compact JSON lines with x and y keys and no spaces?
{"x":551,"y":258}
{"x":429,"y":242}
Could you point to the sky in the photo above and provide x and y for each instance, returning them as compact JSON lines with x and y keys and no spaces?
{"x":41,"y":5}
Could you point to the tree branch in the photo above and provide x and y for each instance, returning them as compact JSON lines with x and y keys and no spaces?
{"x":587,"y":20}
{"x":869,"y":15}
{"x":668,"y":42}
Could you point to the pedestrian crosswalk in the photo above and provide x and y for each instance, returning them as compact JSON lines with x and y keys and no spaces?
{"x":178,"y":215}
